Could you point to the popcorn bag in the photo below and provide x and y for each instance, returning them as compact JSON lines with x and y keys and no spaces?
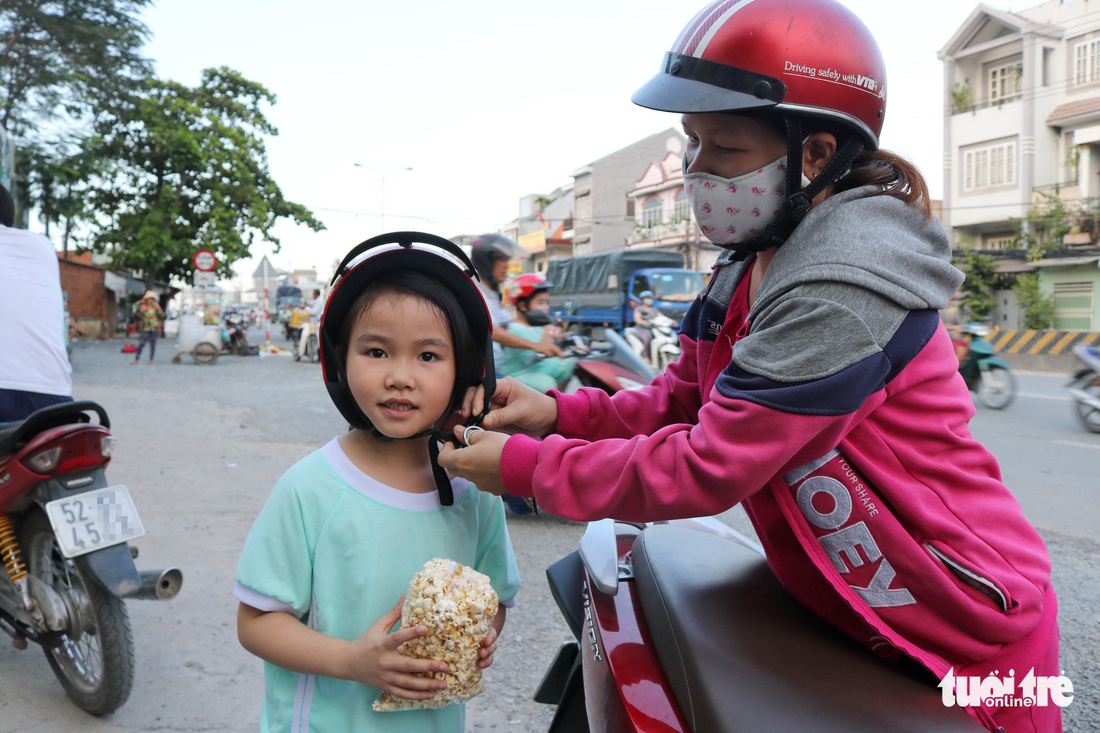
{"x":457,"y":605}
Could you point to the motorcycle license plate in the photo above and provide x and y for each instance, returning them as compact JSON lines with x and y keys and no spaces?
{"x":94,"y":520}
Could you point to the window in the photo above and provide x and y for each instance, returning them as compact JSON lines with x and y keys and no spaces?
{"x":992,"y":166}
{"x":998,"y":241}
{"x":682,"y":209}
{"x":651,"y":213}
{"x":1073,"y":306}
{"x":1004,"y":81}
{"x":1086,"y":62}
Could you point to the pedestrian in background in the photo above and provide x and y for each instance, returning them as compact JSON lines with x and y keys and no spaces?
{"x":150,"y":316}
{"x":34,"y":366}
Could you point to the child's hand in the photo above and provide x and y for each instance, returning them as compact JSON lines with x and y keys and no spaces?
{"x":376,"y":661}
{"x":488,"y":649}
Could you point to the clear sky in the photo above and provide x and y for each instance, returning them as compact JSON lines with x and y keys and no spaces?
{"x":486,"y":100}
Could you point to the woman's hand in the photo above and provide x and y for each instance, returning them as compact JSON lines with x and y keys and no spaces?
{"x":547,"y":345}
{"x":479,"y":461}
{"x":515,"y":408}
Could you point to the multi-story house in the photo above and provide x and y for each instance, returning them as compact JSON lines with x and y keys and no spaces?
{"x":662,"y":213}
{"x":1022,"y":121}
{"x":602,"y":217}
{"x":544,"y":227}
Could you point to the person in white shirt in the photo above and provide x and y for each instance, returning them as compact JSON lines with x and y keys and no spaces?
{"x":34,"y":367}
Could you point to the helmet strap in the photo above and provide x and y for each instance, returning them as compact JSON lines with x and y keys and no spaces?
{"x":798,"y":203}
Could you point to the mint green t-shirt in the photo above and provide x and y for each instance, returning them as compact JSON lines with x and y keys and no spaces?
{"x":337,"y":549}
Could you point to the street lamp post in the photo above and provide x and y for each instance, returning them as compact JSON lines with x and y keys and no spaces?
{"x":382,"y":177}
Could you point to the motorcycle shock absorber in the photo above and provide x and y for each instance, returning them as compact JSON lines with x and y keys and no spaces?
{"x":12,"y":557}
{"x":10,"y":554}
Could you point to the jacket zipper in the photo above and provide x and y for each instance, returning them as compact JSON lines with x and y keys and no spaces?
{"x":983,"y":585}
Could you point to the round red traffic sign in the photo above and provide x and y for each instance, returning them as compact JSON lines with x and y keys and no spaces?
{"x":205,"y":260}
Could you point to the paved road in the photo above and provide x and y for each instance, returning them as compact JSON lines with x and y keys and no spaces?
{"x":200,"y":447}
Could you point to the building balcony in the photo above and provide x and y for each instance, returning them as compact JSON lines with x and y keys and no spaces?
{"x":661,"y":234}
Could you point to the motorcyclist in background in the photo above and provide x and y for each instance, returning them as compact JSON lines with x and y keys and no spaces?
{"x":491,"y":254}
{"x":529,"y":294}
{"x":315,"y":308}
{"x":643,"y":321}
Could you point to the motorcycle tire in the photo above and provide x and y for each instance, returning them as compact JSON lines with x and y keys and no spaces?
{"x":1087,"y":414}
{"x":94,"y":659}
{"x":996,"y":388}
{"x":312,"y":351}
{"x":204,"y":353}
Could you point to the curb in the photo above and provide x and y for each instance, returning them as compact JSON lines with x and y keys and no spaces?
{"x":1041,"y":342}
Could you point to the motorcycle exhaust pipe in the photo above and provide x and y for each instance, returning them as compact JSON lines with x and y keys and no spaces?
{"x":159,"y":585}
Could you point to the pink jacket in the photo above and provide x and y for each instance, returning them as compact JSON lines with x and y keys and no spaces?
{"x":882,"y":514}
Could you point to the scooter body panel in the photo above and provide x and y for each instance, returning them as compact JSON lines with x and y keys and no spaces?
{"x":625,"y":687}
{"x":993,"y":362}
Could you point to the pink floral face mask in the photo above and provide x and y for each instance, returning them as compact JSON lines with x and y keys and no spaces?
{"x":734,"y":210}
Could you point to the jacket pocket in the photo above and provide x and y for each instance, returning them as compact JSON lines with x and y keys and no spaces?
{"x":970,"y":577}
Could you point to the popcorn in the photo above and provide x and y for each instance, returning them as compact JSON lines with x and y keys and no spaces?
{"x":457,"y":604}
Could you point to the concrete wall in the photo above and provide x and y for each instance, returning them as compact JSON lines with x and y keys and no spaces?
{"x":1042,"y":350}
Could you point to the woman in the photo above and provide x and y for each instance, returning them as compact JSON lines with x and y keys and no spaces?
{"x":817,"y":385}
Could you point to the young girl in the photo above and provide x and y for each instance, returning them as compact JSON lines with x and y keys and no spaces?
{"x":817,"y":386}
{"x":320,"y":581}
{"x":529,"y":294}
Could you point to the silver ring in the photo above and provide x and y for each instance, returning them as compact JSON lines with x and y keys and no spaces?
{"x":466,"y":432}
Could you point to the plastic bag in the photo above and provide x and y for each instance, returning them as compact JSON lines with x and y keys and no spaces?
{"x":458,"y":605}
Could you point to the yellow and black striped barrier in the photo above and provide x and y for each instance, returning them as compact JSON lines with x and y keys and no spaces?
{"x":1054,"y":343}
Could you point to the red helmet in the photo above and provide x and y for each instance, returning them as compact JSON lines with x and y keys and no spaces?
{"x":801,"y":57}
{"x":525,"y":286}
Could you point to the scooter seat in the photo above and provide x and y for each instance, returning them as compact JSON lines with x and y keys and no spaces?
{"x":742,"y":655}
{"x":14,"y":435}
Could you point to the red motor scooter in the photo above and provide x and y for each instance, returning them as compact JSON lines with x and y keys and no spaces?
{"x":683,"y":627}
{"x":610,"y":364}
{"x":63,"y":543}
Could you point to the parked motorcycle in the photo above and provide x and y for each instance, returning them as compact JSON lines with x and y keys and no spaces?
{"x":1085,"y":387}
{"x":986,"y":374}
{"x":664,"y":342}
{"x":63,"y":543}
{"x":235,"y":335}
{"x":683,"y":627}
{"x":312,"y":349}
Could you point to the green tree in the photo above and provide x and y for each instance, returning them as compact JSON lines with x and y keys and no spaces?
{"x":1038,"y":309}
{"x":1051,"y":219}
{"x":66,"y":57}
{"x":187,"y":170}
{"x":982,"y":279}
{"x":56,"y":179}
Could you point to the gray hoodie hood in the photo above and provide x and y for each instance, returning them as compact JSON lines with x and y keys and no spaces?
{"x":840,"y":286}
